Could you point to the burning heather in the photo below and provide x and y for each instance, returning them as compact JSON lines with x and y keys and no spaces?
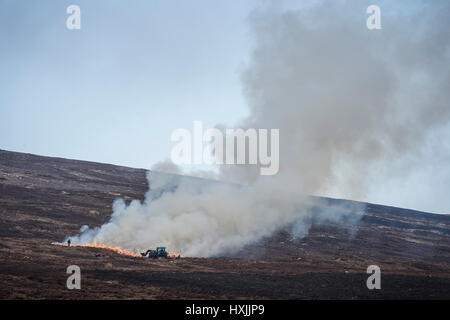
{"x":348,"y":104}
{"x":101,"y":246}
{"x":115,"y":249}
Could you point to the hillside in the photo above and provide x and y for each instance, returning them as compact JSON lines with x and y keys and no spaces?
{"x":44,"y":199}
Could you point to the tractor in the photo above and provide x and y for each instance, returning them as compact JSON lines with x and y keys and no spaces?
{"x":160,"y":252}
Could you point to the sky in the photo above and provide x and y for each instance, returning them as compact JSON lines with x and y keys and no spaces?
{"x":116,"y":89}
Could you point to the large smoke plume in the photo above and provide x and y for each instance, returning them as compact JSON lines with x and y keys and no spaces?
{"x":347,"y":100}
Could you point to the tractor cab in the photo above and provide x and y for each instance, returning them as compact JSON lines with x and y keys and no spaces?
{"x":161,"y":252}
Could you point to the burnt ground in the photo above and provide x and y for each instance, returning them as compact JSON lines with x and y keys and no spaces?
{"x":44,"y":199}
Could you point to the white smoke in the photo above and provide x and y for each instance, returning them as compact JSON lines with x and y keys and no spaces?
{"x":204,"y":218}
{"x":346,"y":100}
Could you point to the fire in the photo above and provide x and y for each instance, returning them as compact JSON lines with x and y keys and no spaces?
{"x":173,"y":255}
{"x":101,"y":246}
{"x":115,"y":249}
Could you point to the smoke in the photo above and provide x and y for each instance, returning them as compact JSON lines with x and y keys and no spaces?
{"x":205,"y":218}
{"x":346,"y":100}
{"x":167,"y":166}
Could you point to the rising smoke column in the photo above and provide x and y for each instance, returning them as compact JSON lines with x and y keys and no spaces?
{"x":346,"y":100}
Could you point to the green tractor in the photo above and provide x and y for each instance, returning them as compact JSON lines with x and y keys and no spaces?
{"x":160,"y":252}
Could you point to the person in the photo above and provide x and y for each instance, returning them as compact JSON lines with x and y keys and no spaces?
{"x":68,"y":243}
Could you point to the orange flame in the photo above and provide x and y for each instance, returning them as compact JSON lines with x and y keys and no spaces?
{"x":173,"y":255}
{"x":115,"y":249}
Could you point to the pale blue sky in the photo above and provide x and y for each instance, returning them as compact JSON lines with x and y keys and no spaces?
{"x":115,"y":90}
